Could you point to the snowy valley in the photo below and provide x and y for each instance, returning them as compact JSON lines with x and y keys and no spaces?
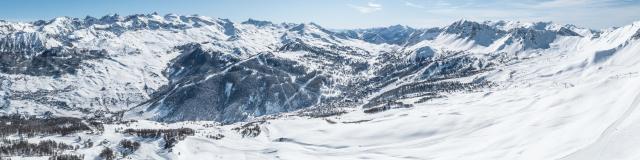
{"x":155,"y":86}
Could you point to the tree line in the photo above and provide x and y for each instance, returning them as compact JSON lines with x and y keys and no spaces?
{"x":170,"y":136}
{"x":24,"y":148}
{"x":31,"y":125}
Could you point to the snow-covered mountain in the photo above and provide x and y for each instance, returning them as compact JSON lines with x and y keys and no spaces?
{"x":547,"y":91}
{"x":175,"y":68}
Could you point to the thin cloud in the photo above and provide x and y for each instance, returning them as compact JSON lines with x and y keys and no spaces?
{"x":369,"y":8}
{"x":562,"y":3}
{"x":582,"y":3}
{"x":407,"y":3}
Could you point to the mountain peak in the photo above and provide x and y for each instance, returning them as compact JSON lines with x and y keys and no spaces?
{"x":509,"y":25}
{"x":463,"y":22}
{"x":111,"y":18}
{"x":637,"y":35}
{"x":309,"y":28}
{"x":400,"y":27}
{"x":259,"y":23}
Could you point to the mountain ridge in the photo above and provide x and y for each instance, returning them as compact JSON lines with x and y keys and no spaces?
{"x":177,"y":68}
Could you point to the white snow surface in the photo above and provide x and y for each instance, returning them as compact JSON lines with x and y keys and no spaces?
{"x":565,"y":102}
{"x":554,"y":110}
{"x":556,"y":106}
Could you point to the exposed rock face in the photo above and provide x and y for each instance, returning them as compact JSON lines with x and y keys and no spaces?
{"x":481,"y":34}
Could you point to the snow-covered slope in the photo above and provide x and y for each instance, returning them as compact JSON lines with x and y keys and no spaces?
{"x":156,"y":67}
{"x":55,"y":70}
{"x":469,"y":90}
{"x":566,"y":103}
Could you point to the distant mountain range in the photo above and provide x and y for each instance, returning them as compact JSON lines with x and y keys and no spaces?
{"x":179,"y":68}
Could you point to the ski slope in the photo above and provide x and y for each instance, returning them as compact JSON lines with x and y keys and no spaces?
{"x":562,"y":93}
{"x":560,"y":105}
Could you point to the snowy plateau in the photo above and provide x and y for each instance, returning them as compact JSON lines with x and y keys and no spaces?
{"x":170,"y":86}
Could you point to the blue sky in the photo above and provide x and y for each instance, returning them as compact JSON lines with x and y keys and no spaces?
{"x":342,"y":14}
